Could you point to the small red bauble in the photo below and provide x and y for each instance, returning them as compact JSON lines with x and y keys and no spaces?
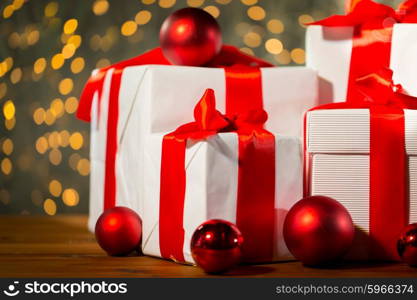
{"x":191,"y":37}
{"x":407,"y":245}
{"x":216,"y":246}
{"x":119,"y":231}
{"x":318,"y":230}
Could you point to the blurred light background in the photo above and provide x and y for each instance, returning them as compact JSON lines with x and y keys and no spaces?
{"x":48,"y":50}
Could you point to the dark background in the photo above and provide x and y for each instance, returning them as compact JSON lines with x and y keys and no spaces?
{"x":48,"y":50}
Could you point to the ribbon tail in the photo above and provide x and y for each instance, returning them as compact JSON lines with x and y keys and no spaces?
{"x":172,"y":194}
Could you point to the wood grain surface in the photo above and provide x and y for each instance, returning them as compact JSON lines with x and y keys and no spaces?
{"x":61,"y":246}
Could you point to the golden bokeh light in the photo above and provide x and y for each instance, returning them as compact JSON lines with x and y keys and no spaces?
{"x":64,"y":138}
{"x":16,"y":75}
{"x":8,"y":11}
{"x":55,"y":157}
{"x":76,"y":141}
{"x":148,"y":2}
{"x":54,"y":139}
{"x":70,"y":197}
{"x":75,"y":40}
{"x":49,"y":206}
{"x":223,"y":2}
{"x":6,"y":166}
{"x":143,"y":17}
{"x":166,"y":3}
{"x":57,"y":61}
{"x":128,"y":28}
{"x":247,"y":51}
{"x":39,"y":65}
{"x":303,"y":20}
{"x":83,"y":167}
{"x":41,"y":145}
{"x":33,"y":37}
{"x":51,"y":9}
{"x":102,"y":63}
{"x":9,"y":124}
{"x":100,"y":7}
{"x":55,"y":188}
{"x":9,"y":110}
{"x":249,"y":2}
{"x":252,"y":39}
{"x":70,"y":26}
{"x":274,"y":46}
{"x":7,"y":146}
{"x":65,"y":86}
{"x":17,"y":4}
{"x":68,"y":51}
{"x":284,"y":58}
{"x":298,"y":56}
{"x":195,"y":3}
{"x":49,"y":117}
{"x":4,"y":196}
{"x":77,"y":65}
{"x":73,"y":160}
{"x":57,"y":107}
{"x":39,"y":116}
{"x":275,"y":26}
{"x":256,"y":13}
{"x":71,"y":105}
{"x":212,"y":10}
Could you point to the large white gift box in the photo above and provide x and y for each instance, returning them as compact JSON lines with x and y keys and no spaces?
{"x":212,"y":184}
{"x":329,"y":49}
{"x":337,"y":147}
{"x":157,"y":99}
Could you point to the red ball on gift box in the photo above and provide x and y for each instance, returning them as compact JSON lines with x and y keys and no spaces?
{"x":318,"y":230}
{"x":119,"y":231}
{"x":190,"y":36}
{"x":216,"y":246}
{"x":407,"y":245}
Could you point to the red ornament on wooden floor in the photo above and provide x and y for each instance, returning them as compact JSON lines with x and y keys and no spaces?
{"x":407,"y":245}
{"x":119,"y":231}
{"x":216,"y":246}
{"x":191,"y":37}
{"x":318,"y":230}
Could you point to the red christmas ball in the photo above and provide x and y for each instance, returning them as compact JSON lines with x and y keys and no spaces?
{"x":407,"y":245}
{"x":216,"y":246}
{"x":191,"y":37}
{"x":318,"y":230}
{"x":119,"y":231}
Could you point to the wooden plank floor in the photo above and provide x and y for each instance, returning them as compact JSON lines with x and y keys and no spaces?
{"x":61,"y":246}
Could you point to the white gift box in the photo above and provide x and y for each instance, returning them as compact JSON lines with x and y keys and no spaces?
{"x":329,"y":49}
{"x":211,"y":187}
{"x":338,"y":142}
{"x":157,"y":99}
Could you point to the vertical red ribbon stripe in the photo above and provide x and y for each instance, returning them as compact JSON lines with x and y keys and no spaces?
{"x":256,"y":182}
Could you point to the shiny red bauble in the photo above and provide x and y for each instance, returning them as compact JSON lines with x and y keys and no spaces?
{"x":407,"y":245}
{"x":216,"y":246}
{"x":119,"y":231}
{"x":191,"y":37}
{"x":318,"y":230}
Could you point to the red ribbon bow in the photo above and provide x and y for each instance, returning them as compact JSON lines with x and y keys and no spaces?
{"x":256,"y":182}
{"x":373,"y":23}
{"x":388,"y":195}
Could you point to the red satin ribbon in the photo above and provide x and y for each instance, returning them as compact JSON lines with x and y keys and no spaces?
{"x":229,"y":57}
{"x":256,"y":184}
{"x":373,"y":23}
{"x":388,"y":193}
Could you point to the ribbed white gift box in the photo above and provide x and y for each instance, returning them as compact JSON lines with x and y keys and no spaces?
{"x":337,"y":142}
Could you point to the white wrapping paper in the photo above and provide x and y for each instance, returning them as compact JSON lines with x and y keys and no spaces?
{"x":158,"y":99}
{"x":329,"y":50}
{"x":211,"y":187}
{"x":338,"y":146}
